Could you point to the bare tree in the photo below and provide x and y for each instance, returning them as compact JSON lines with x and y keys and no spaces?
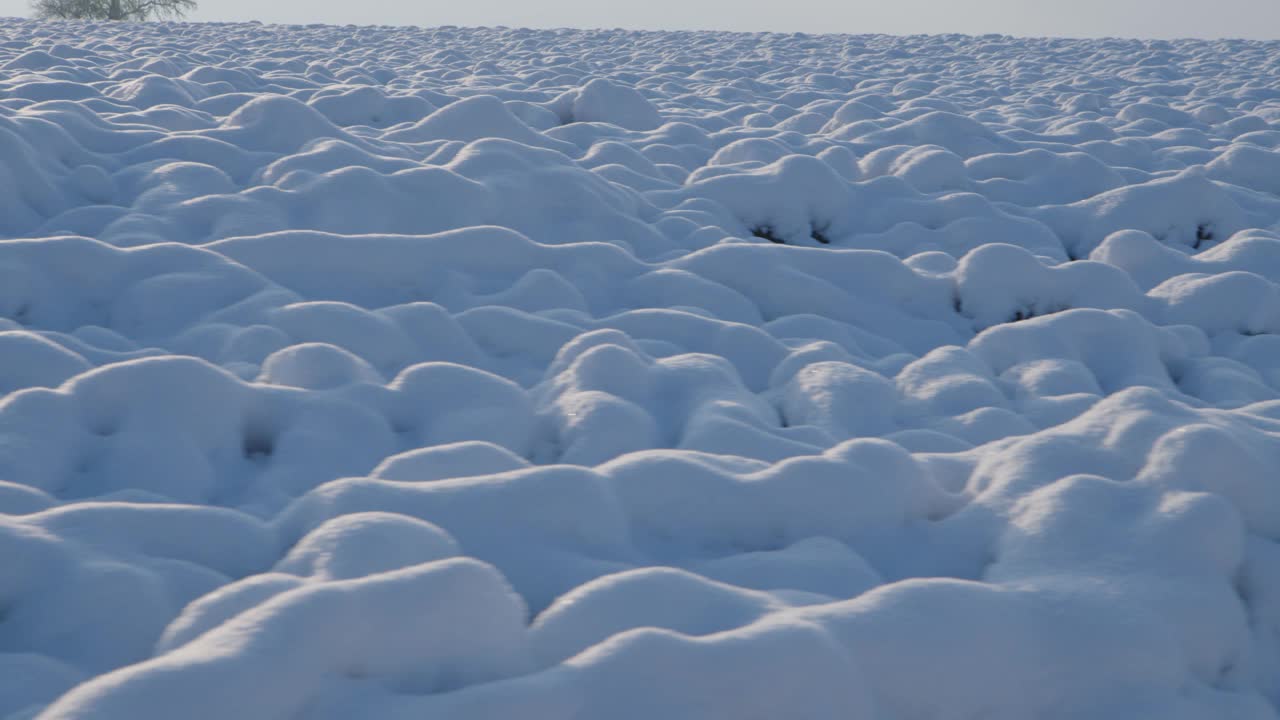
{"x":132,"y":10}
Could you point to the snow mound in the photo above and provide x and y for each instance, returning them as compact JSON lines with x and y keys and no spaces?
{"x":608,"y":102}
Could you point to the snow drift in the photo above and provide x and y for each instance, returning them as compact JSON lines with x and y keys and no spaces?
{"x":397,"y":373}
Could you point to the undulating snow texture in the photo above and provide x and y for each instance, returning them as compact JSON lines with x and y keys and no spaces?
{"x":555,"y":375}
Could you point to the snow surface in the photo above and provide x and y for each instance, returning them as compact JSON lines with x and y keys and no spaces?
{"x":560,"y":375}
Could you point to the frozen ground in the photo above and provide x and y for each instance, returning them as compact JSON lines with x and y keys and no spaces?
{"x":389,"y":373}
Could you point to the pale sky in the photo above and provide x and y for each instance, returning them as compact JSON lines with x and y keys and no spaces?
{"x":1071,"y":18}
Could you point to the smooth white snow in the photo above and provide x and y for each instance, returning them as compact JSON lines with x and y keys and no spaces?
{"x":396,"y":373}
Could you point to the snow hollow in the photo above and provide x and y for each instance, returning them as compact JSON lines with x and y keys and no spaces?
{"x":394,"y":373}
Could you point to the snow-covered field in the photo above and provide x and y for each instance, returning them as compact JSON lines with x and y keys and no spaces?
{"x":556,"y":375}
